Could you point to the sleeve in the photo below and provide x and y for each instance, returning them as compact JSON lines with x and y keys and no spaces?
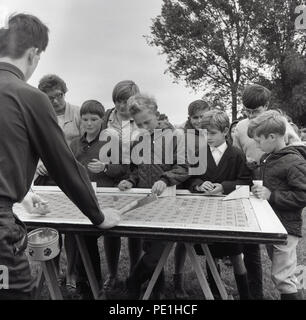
{"x":295,"y":197}
{"x":117,"y":170}
{"x":179,"y":171}
{"x":242,"y":173}
{"x":236,"y":140}
{"x":49,"y":142}
{"x":134,"y":175}
{"x":192,"y":183}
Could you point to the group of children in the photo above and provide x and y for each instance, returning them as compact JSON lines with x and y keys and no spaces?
{"x":263,"y":146}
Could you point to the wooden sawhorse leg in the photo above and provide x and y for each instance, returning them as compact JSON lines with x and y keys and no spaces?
{"x":93,"y":282}
{"x":199,"y":271}
{"x":39,"y":284}
{"x":162,"y":261}
{"x":50,"y":274}
{"x":215,"y":273}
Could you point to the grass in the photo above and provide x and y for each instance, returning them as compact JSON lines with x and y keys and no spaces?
{"x":191,"y":283}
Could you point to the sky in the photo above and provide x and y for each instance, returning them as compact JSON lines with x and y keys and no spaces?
{"x":96,"y":43}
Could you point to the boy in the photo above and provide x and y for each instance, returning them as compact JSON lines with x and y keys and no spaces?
{"x":119,"y":119}
{"x":283,"y":171}
{"x":143,"y":109}
{"x":196,"y":111}
{"x":226,"y":168}
{"x":256,"y":100}
{"x":86,"y":150}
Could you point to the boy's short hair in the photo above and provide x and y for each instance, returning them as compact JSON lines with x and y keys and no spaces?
{"x":123,"y":90}
{"x":141,"y":102}
{"x":51,"y":82}
{"x":267,"y":123}
{"x":93,"y":107}
{"x":196,"y":106}
{"x":255,"y":96}
{"x":215,"y":119}
{"x":24,"y":31}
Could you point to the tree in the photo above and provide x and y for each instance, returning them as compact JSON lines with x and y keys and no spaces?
{"x":284,"y":49}
{"x":211,"y":44}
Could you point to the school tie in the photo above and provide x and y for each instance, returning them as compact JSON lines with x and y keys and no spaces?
{"x":217,"y":154}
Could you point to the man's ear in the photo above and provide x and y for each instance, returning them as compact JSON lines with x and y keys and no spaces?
{"x":31,"y":53}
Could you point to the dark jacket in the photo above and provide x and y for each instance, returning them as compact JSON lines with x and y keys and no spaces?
{"x":29,"y":131}
{"x":284,"y":174}
{"x":145,"y":175}
{"x":231,"y":171}
{"x":85,"y":151}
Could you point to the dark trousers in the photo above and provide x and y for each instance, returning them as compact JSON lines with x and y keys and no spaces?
{"x":145,"y":267}
{"x":13,"y":242}
{"x":93,"y":251}
{"x":252,"y":261}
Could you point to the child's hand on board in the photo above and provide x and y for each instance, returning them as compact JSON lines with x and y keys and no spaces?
{"x":125,"y":185}
{"x":159,"y":187}
{"x":207,"y":186}
{"x":218,"y":188}
{"x":261,"y":192}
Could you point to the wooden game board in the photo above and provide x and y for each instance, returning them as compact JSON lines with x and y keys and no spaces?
{"x":185,"y":213}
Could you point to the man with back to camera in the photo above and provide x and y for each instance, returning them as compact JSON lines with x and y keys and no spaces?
{"x":29,"y":131}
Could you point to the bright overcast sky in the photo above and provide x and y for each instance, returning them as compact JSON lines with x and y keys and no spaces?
{"x":96,"y":43}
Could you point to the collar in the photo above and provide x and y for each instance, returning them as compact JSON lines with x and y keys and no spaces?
{"x":221,"y":148}
{"x":12,"y":69}
{"x":113,"y":117}
{"x":84,"y":140}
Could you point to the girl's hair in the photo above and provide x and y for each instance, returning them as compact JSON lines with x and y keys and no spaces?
{"x":52,"y":82}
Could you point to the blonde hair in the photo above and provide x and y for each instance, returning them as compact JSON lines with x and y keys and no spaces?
{"x":141,"y":102}
{"x":215,"y":119}
{"x":268,"y":122}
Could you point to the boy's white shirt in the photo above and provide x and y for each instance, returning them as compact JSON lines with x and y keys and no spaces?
{"x":217,"y":152}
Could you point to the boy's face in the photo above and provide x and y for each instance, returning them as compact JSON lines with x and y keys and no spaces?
{"x":147,"y":120}
{"x":91,"y":123}
{"x":196,"y":119}
{"x":123,"y":110}
{"x":215,"y":137}
{"x":253,"y":113}
{"x":268,"y":144}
